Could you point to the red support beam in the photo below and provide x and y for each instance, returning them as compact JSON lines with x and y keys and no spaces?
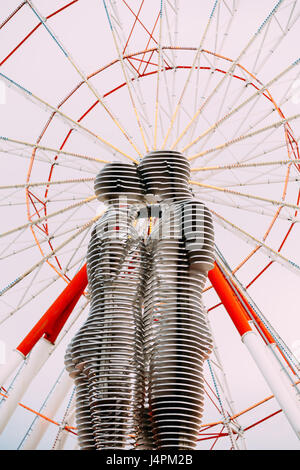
{"x":238,"y":308}
{"x":33,"y":30}
{"x":230,"y":300}
{"x":56,"y":316}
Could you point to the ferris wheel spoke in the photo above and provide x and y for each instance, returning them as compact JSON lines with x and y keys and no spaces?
{"x":128,"y":82}
{"x":29,"y":286}
{"x":270,"y":252}
{"x":266,"y":177}
{"x":257,"y":181}
{"x":9,"y":195}
{"x":12,"y":14}
{"x":276,"y":107}
{"x":46,"y":217}
{"x":55,"y":234}
{"x":232,"y":156}
{"x":229,"y":71}
{"x":263,"y":41}
{"x":51,"y":201}
{"x":33,"y":184}
{"x":33,"y":30}
{"x":82,"y":243}
{"x":171,"y":35}
{"x":12,"y":242}
{"x":82,"y":75}
{"x":241,"y":165}
{"x":196,"y":58}
{"x":36,"y":293}
{"x":292,"y":20}
{"x":133,"y":78}
{"x":260,"y":210}
{"x":232,"y":11}
{"x":275,"y":125}
{"x":159,"y":66}
{"x":217,"y":53}
{"x":22,"y":276}
{"x":249,"y":196}
{"x":262,"y":324}
{"x":148,"y":128}
{"x":67,"y":420}
{"x":70,"y":122}
{"x":235,"y":110}
{"x":52,"y":150}
{"x":47,"y":160}
{"x":250,"y":155}
{"x":62,"y":377}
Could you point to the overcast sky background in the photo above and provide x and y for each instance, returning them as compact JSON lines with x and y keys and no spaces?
{"x":42,"y":68}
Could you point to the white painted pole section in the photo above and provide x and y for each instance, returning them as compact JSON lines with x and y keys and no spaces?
{"x":280,"y":390}
{"x":61,"y":390}
{"x":282,"y":371}
{"x":37,"y":358}
{"x":7,"y":369}
{"x":70,"y":421}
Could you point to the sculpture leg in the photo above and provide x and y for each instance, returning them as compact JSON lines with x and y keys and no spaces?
{"x":85,"y":427}
{"x":116,"y":376}
{"x":84,"y":422}
{"x":181,"y":343}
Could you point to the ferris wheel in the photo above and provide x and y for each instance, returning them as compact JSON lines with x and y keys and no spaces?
{"x":87,"y":83}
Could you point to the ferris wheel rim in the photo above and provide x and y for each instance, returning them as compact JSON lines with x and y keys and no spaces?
{"x":287,"y":129}
{"x":112,"y":63}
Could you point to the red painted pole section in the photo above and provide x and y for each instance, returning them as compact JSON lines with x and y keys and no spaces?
{"x":229,"y":299}
{"x":239,"y":313}
{"x":53,"y":320}
{"x":55,"y":328}
{"x":219,"y":278}
{"x":262,"y":330}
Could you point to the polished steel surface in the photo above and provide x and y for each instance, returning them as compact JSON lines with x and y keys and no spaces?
{"x":138,"y":359}
{"x":177,"y":337}
{"x":106,"y":355}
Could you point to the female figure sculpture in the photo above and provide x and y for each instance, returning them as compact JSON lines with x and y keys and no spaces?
{"x":106,"y":355}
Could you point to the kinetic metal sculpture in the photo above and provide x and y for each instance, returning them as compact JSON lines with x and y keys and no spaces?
{"x":123,"y":363}
{"x":106,"y":355}
{"x":177,"y":338}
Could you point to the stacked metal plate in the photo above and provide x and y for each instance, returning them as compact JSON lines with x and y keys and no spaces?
{"x":139,"y":380}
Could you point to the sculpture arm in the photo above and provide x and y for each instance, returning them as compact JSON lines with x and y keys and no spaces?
{"x":198,"y":235}
{"x":108,"y":247}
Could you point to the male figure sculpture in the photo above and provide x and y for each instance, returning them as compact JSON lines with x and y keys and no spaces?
{"x":177,"y":338}
{"x":106,"y":355}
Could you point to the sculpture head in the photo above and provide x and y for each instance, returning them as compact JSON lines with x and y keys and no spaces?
{"x":165,"y":175}
{"x":118,"y":180}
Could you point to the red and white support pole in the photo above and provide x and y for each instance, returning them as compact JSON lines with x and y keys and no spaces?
{"x":256,"y":347}
{"x":56,"y":316}
{"x":37,"y":359}
{"x":40,"y":342}
{"x":61,"y":390}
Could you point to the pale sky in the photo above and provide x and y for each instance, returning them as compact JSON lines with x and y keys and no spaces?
{"x":47,"y":67}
